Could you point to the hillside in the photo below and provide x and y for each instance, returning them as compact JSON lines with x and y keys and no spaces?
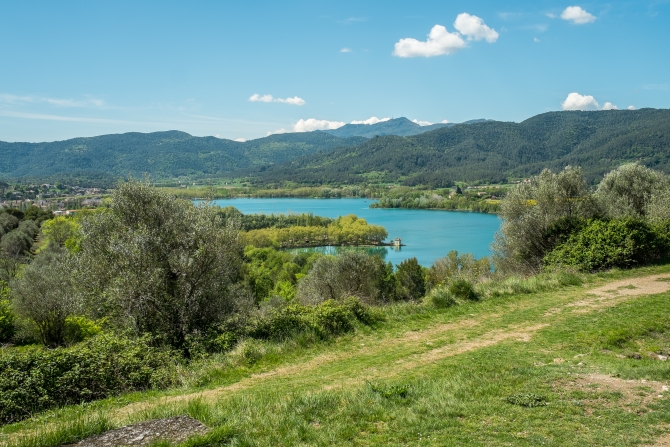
{"x":574,"y":366}
{"x":401,"y":127}
{"x":495,"y":151}
{"x":161,"y":154}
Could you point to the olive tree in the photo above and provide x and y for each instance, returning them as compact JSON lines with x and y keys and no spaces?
{"x":538,"y":215}
{"x":158,"y":264}
{"x":348,"y":274}
{"x":631,"y":190}
{"x":44,"y":293}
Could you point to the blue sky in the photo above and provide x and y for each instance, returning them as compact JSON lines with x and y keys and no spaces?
{"x":88,"y":68}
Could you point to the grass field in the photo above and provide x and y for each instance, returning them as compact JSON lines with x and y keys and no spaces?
{"x":579,"y":365}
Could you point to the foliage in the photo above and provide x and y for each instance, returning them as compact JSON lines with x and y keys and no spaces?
{"x":37,"y":379}
{"x":537,"y":215}
{"x":481,"y":200}
{"x":45,"y":294}
{"x":411,"y":284}
{"x":462,"y":288}
{"x":249,"y":222}
{"x":159,"y":265}
{"x":325,"y":319}
{"x":345,"y":230}
{"x":63,"y":231}
{"x":456,"y":266}
{"x":391,"y":391}
{"x":627,"y":191}
{"x":606,"y":244}
{"x":79,"y":328}
{"x":349,"y":274}
{"x":7,"y":317}
{"x":440,"y":297}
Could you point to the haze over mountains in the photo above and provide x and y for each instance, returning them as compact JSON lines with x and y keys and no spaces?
{"x":481,"y":150}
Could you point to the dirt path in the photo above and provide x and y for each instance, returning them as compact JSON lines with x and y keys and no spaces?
{"x":418,"y":344}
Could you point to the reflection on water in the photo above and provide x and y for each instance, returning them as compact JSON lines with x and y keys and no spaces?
{"x":382,"y":252}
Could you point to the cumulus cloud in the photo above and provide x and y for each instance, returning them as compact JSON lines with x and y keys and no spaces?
{"x":577,"y":15}
{"x":240,"y":140}
{"x":345,"y":50}
{"x":277,"y":132}
{"x":296,"y":101}
{"x":439,"y":42}
{"x":442,"y":42}
{"x":575,"y":101}
{"x":422,"y":123}
{"x":311,"y":124}
{"x":371,"y":120}
{"x":474,"y":28}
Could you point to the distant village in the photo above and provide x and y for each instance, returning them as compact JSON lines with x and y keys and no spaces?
{"x":59,"y":198}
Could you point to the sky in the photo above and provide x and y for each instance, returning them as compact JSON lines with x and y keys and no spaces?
{"x":243,"y":70}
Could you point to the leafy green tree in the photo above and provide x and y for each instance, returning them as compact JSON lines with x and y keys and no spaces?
{"x":60,"y":230}
{"x":411,"y":284}
{"x":160,"y":265}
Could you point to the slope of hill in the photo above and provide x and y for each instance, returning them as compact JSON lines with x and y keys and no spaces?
{"x":398,"y":126}
{"x":495,"y":151}
{"x":160,"y":154}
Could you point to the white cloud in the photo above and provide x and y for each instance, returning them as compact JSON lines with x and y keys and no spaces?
{"x":575,"y":101}
{"x":536,"y":40}
{"x":577,"y":15}
{"x":474,"y":28}
{"x":551,"y":15}
{"x":445,"y":121}
{"x":311,"y":124}
{"x":296,"y":101}
{"x":345,"y":50}
{"x":631,"y":108}
{"x":277,"y":132}
{"x":439,"y":42}
{"x":88,"y":102}
{"x":422,"y":123}
{"x":609,"y":106}
{"x":371,"y":120}
{"x":240,"y":140}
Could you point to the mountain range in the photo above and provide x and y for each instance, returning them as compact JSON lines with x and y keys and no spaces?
{"x":483,"y":150}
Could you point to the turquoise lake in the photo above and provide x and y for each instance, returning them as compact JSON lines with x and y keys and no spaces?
{"x":427,"y":234}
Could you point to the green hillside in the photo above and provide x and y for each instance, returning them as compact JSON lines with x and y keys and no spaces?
{"x":161,"y":154}
{"x":495,"y":151}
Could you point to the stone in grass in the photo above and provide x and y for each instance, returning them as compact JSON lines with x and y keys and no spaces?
{"x":175,"y":429}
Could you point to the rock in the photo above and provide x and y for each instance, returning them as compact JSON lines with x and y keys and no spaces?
{"x":175,"y":429}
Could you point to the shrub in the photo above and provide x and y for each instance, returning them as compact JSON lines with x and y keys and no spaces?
{"x":410,"y":281}
{"x":80,"y":328}
{"x":463,"y":289}
{"x":326,"y":319}
{"x":6,"y":321}
{"x":39,"y":379}
{"x":607,"y":244}
{"x":440,"y":297}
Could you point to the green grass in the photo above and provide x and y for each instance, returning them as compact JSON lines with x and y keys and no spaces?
{"x":493,"y":372}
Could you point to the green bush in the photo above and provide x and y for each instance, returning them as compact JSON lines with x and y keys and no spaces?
{"x":606,"y":244}
{"x":326,"y":319}
{"x":79,"y":328}
{"x":7,"y":317}
{"x":38,"y":379}
{"x":440,"y":297}
{"x":463,"y":289}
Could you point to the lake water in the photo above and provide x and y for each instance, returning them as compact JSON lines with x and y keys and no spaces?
{"x":427,"y":234}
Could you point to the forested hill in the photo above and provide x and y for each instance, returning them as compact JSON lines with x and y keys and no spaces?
{"x":494,"y":151}
{"x":398,"y":126}
{"x":160,"y":154}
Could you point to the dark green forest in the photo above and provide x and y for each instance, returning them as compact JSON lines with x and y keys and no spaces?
{"x":493,"y":151}
{"x":163,"y":155}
